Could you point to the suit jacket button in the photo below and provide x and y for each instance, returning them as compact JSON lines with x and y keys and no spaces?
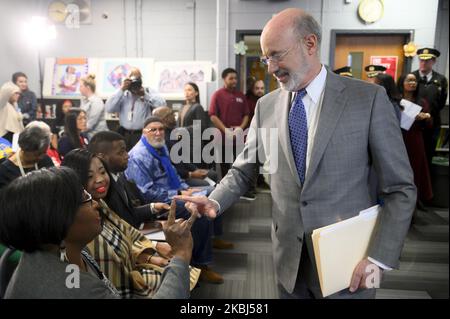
{"x":300,"y":239}
{"x":304,"y":204}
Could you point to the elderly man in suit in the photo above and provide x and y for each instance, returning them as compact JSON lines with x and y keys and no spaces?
{"x":332,"y":131}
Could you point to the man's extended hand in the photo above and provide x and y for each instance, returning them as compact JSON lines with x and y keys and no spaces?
{"x":204,"y":205}
{"x":199,"y":173}
{"x":361,"y":272}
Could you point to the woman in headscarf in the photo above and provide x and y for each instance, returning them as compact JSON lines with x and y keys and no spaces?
{"x":10,"y":117}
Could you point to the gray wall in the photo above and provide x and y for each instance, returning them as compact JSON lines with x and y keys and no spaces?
{"x":173,"y":30}
{"x":441,"y":38}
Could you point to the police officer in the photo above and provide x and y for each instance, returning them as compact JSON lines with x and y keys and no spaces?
{"x":433,"y":87}
{"x":344,"y":71}
{"x":372,"y":71}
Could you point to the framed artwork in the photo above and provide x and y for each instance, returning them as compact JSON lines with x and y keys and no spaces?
{"x":62,"y":76}
{"x":169,"y":78}
{"x":390,"y":62}
{"x":112,"y":71}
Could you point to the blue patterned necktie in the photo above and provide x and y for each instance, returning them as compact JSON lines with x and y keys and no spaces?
{"x":298,"y":129}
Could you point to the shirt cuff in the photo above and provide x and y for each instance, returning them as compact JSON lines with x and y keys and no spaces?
{"x":217,"y":206}
{"x":172,"y":193}
{"x":379,"y":264}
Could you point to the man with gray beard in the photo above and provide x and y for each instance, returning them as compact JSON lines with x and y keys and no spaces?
{"x":332,"y":131}
{"x":150,"y":168}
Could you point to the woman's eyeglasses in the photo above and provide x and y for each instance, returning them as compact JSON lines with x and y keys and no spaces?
{"x":87,"y":198}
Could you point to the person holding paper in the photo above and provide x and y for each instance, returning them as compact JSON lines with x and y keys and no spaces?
{"x":331,"y":130}
{"x":414,"y":140}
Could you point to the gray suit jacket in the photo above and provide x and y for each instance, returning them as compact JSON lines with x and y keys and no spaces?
{"x":357,"y":130}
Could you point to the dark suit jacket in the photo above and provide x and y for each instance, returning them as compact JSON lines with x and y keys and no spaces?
{"x":132,"y":207}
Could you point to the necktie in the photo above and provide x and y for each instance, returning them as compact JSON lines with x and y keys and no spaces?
{"x":424,"y":79}
{"x":298,"y":129}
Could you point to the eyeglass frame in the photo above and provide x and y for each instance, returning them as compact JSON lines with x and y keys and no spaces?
{"x":89,"y":197}
{"x":277,"y":58}
{"x":153,"y":130}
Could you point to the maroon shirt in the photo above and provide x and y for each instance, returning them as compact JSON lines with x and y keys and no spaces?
{"x":229,"y":106}
{"x":251,"y":103}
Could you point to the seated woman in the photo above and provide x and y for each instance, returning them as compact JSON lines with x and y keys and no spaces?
{"x":61,"y":111}
{"x":32,"y":155}
{"x":127,"y":257}
{"x":52,"y":151}
{"x":73,"y":137}
{"x":49,"y":216}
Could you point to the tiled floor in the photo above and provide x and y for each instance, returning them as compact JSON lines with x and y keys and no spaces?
{"x":249,"y":273}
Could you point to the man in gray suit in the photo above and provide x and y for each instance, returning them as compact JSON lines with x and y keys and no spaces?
{"x":332,"y":131}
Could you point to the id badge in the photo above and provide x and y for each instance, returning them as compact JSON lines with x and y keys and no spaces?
{"x":130,"y":116}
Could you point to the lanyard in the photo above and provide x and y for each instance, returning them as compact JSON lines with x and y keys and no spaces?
{"x":22,"y":171}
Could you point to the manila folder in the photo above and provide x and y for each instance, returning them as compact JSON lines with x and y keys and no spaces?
{"x":339,"y":247}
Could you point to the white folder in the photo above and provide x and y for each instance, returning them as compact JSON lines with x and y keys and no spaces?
{"x":339,"y":247}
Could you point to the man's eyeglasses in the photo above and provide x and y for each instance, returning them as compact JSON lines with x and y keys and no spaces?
{"x":276,"y":58}
{"x":87,"y":198}
{"x":153,"y":130}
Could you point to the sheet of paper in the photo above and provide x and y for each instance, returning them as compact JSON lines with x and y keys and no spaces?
{"x":158,"y":236}
{"x":408,"y":116}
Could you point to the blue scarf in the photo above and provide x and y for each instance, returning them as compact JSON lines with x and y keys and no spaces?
{"x":164,"y":159}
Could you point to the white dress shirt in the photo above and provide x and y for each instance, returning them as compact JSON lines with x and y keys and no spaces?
{"x":429,"y":75}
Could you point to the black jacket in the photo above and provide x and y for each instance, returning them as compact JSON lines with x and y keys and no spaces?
{"x":435,"y":92}
{"x":125,"y":199}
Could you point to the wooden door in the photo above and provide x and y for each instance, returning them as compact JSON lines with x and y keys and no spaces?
{"x":370,"y":49}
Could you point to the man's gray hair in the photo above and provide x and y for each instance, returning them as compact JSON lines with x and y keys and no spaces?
{"x":34,"y":138}
{"x":305,"y":25}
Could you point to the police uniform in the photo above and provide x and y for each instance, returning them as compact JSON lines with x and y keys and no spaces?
{"x":373,"y":70}
{"x":433,"y":88}
{"x":345,"y":71}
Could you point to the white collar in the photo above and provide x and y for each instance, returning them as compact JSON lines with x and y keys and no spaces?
{"x":315,"y":88}
{"x":115,"y":177}
{"x":429,"y":75}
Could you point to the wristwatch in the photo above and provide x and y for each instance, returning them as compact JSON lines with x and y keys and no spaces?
{"x":152,"y":209}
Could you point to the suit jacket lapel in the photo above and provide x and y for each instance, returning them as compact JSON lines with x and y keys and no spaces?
{"x":333,"y":104}
{"x":120,"y":188}
{"x":282,"y":109}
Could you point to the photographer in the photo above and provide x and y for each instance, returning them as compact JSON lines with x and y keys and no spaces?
{"x":134,"y":103}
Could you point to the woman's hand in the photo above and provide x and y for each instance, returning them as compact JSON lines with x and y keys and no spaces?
{"x":423,"y":116}
{"x":164,"y":250}
{"x":178,"y":233}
